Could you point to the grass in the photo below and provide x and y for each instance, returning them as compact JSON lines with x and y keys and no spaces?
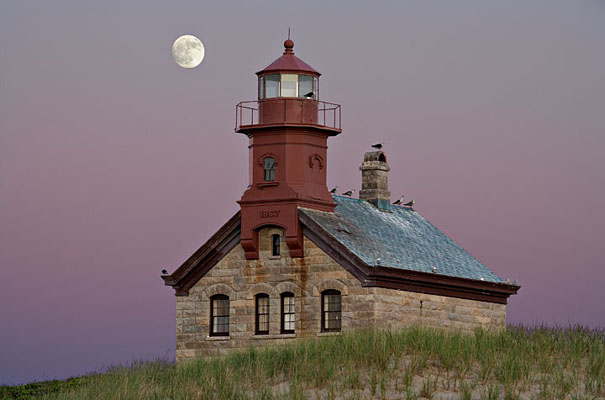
{"x":538,"y":363}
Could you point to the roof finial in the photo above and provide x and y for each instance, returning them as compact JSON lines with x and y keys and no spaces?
{"x":289,"y":44}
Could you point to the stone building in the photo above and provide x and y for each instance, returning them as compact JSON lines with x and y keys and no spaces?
{"x":297,"y":261}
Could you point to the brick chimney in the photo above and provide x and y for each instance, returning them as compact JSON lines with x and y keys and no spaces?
{"x":374,"y":180}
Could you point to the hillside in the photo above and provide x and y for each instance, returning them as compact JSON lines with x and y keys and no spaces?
{"x":519,"y":363}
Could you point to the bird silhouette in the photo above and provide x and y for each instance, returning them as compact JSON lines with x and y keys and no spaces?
{"x":349,"y":193}
{"x":164,"y":272}
{"x":410,"y":203}
{"x":398,"y":202}
{"x":334,"y":189}
{"x":378,"y":146}
{"x":309,"y":95}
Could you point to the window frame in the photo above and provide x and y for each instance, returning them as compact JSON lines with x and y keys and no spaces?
{"x":337,"y":313}
{"x":270,"y":170}
{"x":257,"y":314}
{"x":283,"y":314}
{"x":213,"y":299}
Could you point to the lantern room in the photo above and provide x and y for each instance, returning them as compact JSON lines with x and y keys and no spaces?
{"x":288,"y":76}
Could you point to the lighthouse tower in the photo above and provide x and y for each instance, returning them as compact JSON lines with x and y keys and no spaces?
{"x":288,"y":128}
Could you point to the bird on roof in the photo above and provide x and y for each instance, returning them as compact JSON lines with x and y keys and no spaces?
{"x":309,"y":95}
{"x":398,"y":202}
{"x":410,"y":203}
{"x":334,"y":189}
{"x":378,"y":146}
{"x":349,"y":193}
{"x":164,"y":272}
{"x":434,"y":269}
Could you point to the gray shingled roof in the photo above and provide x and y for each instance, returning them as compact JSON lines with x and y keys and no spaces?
{"x":401,"y":238}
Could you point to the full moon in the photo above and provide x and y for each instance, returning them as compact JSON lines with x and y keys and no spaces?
{"x":188,"y":51}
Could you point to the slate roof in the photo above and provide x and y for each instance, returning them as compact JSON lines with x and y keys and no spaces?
{"x":401,"y":238}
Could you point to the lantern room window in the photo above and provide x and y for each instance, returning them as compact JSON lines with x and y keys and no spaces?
{"x":269,"y":169}
{"x":305,"y":86}
{"x":271,"y":86}
{"x":287,"y":85}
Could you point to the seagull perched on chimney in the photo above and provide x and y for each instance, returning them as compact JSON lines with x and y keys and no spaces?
{"x":378,"y":146}
{"x":349,"y":193}
{"x":398,"y":202}
{"x":334,"y":189}
{"x":410,"y":203}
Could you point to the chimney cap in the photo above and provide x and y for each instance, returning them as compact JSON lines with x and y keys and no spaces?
{"x":375,"y":156}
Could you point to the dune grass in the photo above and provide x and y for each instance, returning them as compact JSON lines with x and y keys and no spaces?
{"x":519,"y":363}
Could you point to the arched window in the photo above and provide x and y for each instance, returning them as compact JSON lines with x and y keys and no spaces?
{"x":288,"y":319}
{"x":330,"y":311}
{"x":262,"y":314}
{"x":269,"y":169}
{"x":219,"y":315}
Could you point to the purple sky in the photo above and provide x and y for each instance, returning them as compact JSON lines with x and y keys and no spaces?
{"x":116,"y":163}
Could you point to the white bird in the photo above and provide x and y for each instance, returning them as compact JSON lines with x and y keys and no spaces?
{"x":410,"y":203}
{"x":334,"y":189}
{"x":398,"y":202}
{"x":349,"y":193}
{"x":378,"y":146}
{"x":434,"y":269}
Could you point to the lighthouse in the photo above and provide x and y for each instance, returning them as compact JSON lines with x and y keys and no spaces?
{"x":288,"y":128}
{"x":296,"y":261}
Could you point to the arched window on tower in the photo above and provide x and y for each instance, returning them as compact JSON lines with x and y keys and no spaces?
{"x":269,"y":169}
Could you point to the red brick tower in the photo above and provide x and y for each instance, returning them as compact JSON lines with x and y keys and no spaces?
{"x":288,"y":128}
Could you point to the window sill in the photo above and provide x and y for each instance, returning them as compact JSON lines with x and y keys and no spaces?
{"x":267,"y":184}
{"x":329,"y":333}
{"x":279,"y":336}
{"x":217,"y":338}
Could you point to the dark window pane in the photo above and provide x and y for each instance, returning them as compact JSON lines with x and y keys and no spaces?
{"x":271,"y":86}
{"x":275,"y":245}
{"x":269,"y":169}
{"x":305,"y":85}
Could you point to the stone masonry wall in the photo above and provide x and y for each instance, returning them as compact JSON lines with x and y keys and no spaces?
{"x":307,"y":277}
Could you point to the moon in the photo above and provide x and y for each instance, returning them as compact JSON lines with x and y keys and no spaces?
{"x":188,"y":51}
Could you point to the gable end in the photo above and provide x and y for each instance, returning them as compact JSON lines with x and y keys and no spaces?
{"x":206,"y":257}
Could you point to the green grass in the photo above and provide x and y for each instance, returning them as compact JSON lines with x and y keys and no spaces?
{"x":414,"y":363}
